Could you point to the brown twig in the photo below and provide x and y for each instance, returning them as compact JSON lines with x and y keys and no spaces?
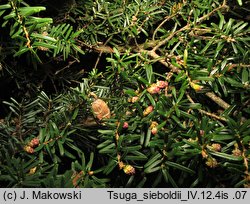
{"x":67,"y":66}
{"x":231,"y":66}
{"x":205,"y":112}
{"x":213,"y":115}
{"x":167,"y":18}
{"x":245,"y":159}
{"x":217,"y":100}
{"x":222,"y":6}
{"x":188,"y":26}
{"x":52,"y":140}
{"x":20,"y":19}
{"x":160,"y":59}
{"x":103,"y":50}
{"x":170,"y":36}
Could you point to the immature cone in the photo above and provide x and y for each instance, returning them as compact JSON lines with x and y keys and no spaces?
{"x":28,"y":149}
{"x":153,"y":127}
{"x":34,"y":142}
{"x":148,"y":110}
{"x":162,"y":84}
{"x":202,"y":132}
{"x":128,"y":169}
{"x":153,"y":89}
{"x":100,"y":109}
{"x":134,"y":99}
{"x":211,"y":162}
{"x":216,"y":147}
{"x":154,"y":131}
{"x":125,"y":125}
{"x":153,"y":124}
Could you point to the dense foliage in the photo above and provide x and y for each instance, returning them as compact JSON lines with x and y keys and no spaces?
{"x":126,"y":93}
